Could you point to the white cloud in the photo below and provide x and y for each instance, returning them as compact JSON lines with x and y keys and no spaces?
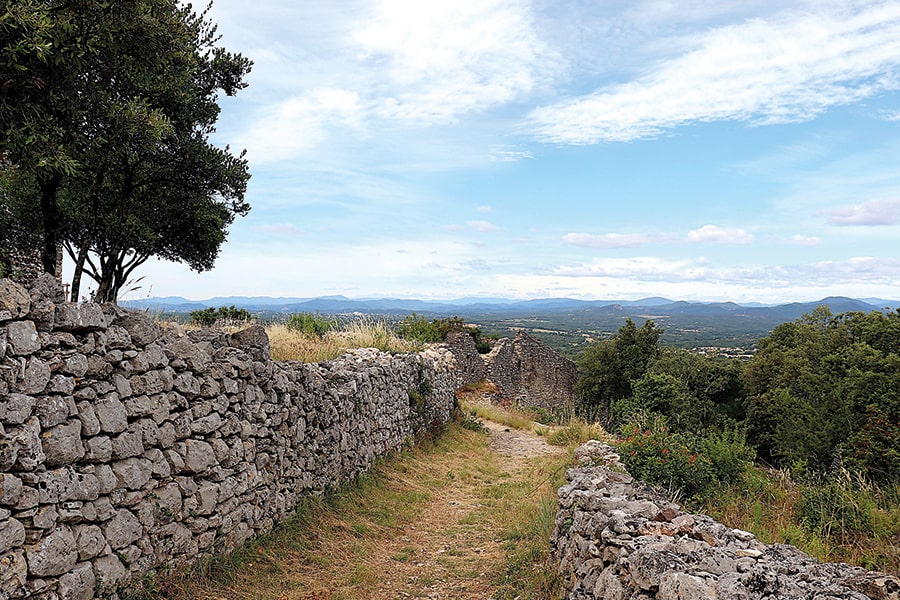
{"x":718,"y":235}
{"x":510,"y":155}
{"x":481,"y":226}
{"x":876,"y":212}
{"x":439,"y":60}
{"x":646,"y":268}
{"x":484,"y":208}
{"x":606,"y":240}
{"x":803,"y":240}
{"x":789,"y":68}
{"x":300,"y":123}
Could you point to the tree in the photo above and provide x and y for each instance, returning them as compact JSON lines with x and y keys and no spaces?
{"x":130,"y":89}
{"x":607,"y":368}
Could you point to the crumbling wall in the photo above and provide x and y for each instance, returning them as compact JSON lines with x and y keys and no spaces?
{"x":617,"y":539}
{"x":124,"y":447}
{"x":530,"y":373}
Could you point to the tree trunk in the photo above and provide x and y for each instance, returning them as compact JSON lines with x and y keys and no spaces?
{"x":79,"y":271}
{"x":50,"y":220}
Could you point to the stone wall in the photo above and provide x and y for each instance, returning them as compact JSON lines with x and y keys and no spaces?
{"x":617,"y":539}
{"x":124,"y":447}
{"x":530,"y":373}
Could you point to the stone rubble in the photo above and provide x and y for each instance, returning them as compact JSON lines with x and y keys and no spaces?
{"x":618,"y":539}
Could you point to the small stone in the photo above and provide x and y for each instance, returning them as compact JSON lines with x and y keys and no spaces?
{"x":14,"y":299}
{"x":123,"y":529}
{"x":79,"y":583}
{"x":22,"y":338}
{"x":12,"y":535}
{"x":62,"y":444}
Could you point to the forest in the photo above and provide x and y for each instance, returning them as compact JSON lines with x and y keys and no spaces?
{"x":802,"y":439}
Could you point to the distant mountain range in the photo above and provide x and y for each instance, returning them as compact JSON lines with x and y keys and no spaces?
{"x":475,"y":305}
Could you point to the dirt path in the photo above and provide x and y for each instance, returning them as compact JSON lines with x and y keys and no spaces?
{"x":454,"y":551}
{"x":437,"y":526}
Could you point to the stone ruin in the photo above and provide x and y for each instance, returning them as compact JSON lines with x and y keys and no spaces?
{"x":618,"y":539}
{"x":526,"y":371}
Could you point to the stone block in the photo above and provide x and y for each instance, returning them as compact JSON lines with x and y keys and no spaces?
{"x":37,"y":376}
{"x":55,"y":554}
{"x":112,"y":414}
{"x":62,"y":444}
{"x":79,"y":583}
{"x":123,"y":529}
{"x":22,"y":338}
{"x":12,"y":535}
{"x":16,"y":408}
{"x":15,"y":302}
{"x":79,"y":318}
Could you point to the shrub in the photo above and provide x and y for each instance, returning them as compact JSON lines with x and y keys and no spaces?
{"x":208,"y":317}
{"x":310,"y":324}
{"x":418,"y":328}
{"x":654,"y":454}
{"x":729,"y":453}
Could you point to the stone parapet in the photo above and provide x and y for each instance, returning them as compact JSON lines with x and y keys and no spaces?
{"x":618,"y":539}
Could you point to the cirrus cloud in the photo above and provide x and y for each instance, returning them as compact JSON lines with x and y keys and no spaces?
{"x":786,"y":69}
{"x":606,"y":240}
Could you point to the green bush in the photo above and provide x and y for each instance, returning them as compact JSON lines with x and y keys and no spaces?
{"x":312,"y":325}
{"x":418,"y":328}
{"x":729,"y":453}
{"x":208,"y":317}
{"x":654,"y":454}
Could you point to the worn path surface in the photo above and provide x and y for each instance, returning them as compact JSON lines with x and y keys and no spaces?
{"x":448,"y":544}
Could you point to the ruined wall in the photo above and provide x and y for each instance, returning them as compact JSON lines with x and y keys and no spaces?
{"x":616,"y":539}
{"x":530,"y":373}
{"x":124,"y":447}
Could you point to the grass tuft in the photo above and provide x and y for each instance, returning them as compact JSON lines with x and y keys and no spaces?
{"x":288,"y":343}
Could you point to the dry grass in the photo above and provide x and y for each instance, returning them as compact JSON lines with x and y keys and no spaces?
{"x":288,"y":344}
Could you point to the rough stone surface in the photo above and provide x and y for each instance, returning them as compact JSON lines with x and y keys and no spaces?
{"x":15,"y":302}
{"x":124,"y":448}
{"x":617,"y":539}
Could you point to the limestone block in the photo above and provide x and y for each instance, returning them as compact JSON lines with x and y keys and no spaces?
{"x":75,"y":365}
{"x":254,"y":340}
{"x":22,"y":338}
{"x":79,"y":318}
{"x":123,"y":529}
{"x":61,"y":384}
{"x":128,"y":444}
{"x":98,"y":449}
{"x":133,"y":473}
{"x":46,"y":517}
{"x":123,"y":386}
{"x":194,"y":356}
{"x":90,"y":424}
{"x":37,"y":376}
{"x":13,"y":573}
{"x":12,"y":534}
{"x":16,"y":408}
{"x":79,"y":583}
{"x":55,"y":554}
{"x":112,"y":414}
{"x":10,"y":489}
{"x":198,"y":456}
{"x":110,"y":572}
{"x":62,"y":444}
{"x":15,"y":302}
{"x":90,"y":541}
{"x":52,"y":410}
{"x":107,"y":478}
{"x":140,"y":328}
{"x":27,"y":441}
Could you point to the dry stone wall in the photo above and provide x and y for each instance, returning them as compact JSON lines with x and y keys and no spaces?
{"x":617,"y":539}
{"x":124,"y":447}
{"x":530,"y":373}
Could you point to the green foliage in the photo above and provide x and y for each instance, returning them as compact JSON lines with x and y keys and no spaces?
{"x":418,"y":328}
{"x":836,"y":506}
{"x":608,"y":367}
{"x":209,"y":316}
{"x":827,"y":388}
{"x":729,"y":453}
{"x":107,"y":110}
{"x":313,"y":325}
{"x":651,"y":452}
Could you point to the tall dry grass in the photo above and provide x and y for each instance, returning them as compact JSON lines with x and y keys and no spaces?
{"x":289,"y":344}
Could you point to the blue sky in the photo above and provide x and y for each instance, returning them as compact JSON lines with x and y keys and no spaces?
{"x":698,"y":150}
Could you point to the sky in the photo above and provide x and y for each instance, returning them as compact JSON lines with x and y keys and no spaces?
{"x":699,"y":150}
